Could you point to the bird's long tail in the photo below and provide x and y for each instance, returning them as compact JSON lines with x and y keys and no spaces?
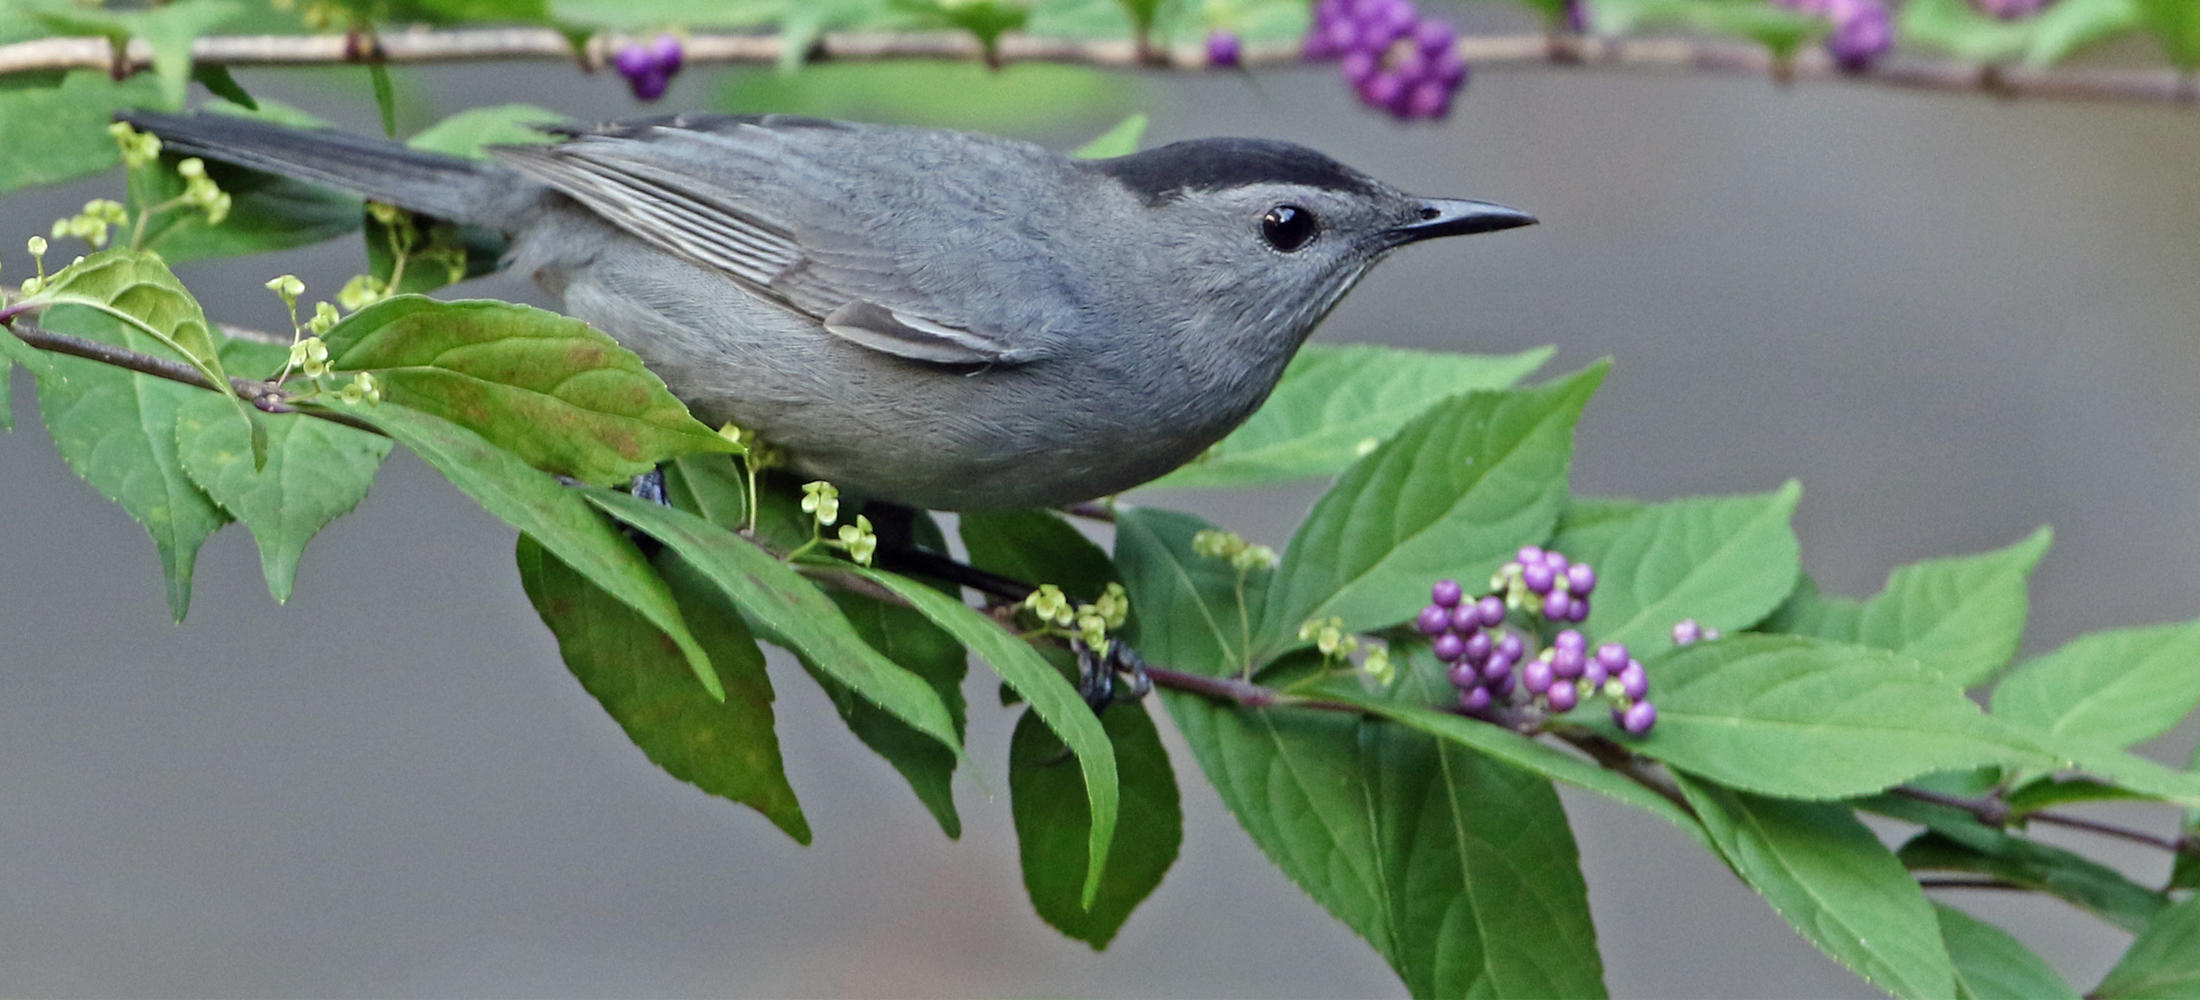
{"x":448,"y":187}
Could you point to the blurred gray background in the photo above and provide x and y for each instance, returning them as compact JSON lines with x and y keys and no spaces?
{"x":1953,"y":318}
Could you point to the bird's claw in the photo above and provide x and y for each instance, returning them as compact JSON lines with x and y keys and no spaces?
{"x":1096,"y":673}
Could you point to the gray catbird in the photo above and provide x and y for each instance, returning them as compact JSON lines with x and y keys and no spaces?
{"x":936,"y":318}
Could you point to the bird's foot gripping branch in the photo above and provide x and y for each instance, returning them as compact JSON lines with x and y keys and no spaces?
{"x":1412,"y":793}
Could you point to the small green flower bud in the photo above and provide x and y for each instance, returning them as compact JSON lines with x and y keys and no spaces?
{"x":287,"y":287}
{"x":821,"y":500}
{"x":324,"y":318}
{"x":37,"y":246}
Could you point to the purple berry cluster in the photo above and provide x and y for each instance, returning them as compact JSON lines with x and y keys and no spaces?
{"x":1394,"y":58}
{"x":1491,"y":665}
{"x":648,"y":68}
{"x":1224,"y":48}
{"x":1863,"y":30}
{"x":2011,"y":10}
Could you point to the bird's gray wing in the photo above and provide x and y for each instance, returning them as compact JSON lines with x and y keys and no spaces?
{"x":841,"y":222}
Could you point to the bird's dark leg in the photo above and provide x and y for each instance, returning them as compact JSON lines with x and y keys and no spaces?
{"x":650,"y":486}
{"x":898,"y":552}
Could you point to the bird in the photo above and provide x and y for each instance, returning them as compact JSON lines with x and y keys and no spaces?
{"x":939,"y":319}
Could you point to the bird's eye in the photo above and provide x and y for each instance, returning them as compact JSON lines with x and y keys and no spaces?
{"x":1288,"y":227}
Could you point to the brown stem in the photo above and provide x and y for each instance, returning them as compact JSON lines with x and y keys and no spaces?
{"x":266,"y":396}
{"x":1699,"y":55}
{"x":1993,"y":811}
{"x":1970,"y":883}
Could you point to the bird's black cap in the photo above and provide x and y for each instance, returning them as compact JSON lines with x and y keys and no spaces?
{"x":1167,"y":172}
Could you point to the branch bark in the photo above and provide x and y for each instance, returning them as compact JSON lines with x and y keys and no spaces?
{"x":268,"y":397}
{"x":1525,"y":51}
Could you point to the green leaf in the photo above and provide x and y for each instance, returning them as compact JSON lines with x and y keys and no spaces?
{"x":2049,"y":793}
{"x":1724,"y":561}
{"x":2185,"y":872}
{"x":1336,"y":402}
{"x":2175,"y":24}
{"x":905,"y":636}
{"x":1122,"y":140}
{"x":266,"y":212}
{"x":641,"y":677}
{"x":469,"y":133}
{"x":1509,"y":747}
{"x":1963,"y":618}
{"x":385,"y":97}
{"x":1801,"y":718}
{"x":316,"y":472}
{"x":168,"y":30}
{"x":1051,"y":696}
{"x":1992,"y":965}
{"x":1186,"y":610}
{"x":1964,"y":31}
{"x":1781,"y":30}
{"x":1459,"y":870}
{"x":787,"y":610}
{"x":1037,"y":546}
{"x":1048,"y":799}
{"x":2069,"y":25}
{"x":216,"y":79}
{"x":987,"y":20}
{"x":2163,"y":964}
{"x":137,"y":289}
{"x":551,"y":389}
{"x":1955,"y":845}
{"x":1450,"y":495}
{"x":56,"y":133}
{"x":1833,"y":881}
{"x":117,"y":430}
{"x":2112,"y":688}
{"x":556,"y":516}
{"x":2128,"y":770}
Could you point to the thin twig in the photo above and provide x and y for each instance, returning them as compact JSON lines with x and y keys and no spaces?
{"x":1700,"y":55}
{"x":265,"y":396}
{"x":1970,"y":883}
{"x":1995,"y":812}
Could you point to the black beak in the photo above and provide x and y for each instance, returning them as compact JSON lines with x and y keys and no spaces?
{"x":1459,"y":217}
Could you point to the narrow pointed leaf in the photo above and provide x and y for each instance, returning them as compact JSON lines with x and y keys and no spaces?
{"x":316,"y":472}
{"x":2112,"y":688}
{"x":1120,"y":140}
{"x":556,"y":516}
{"x":117,"y":430}
{"x":787,"y":610}
{"x":1800,"y":718}
{"x":138,"y":290}
{"x":905,"y":636}
{"x":1992,"y":965}
{"x":564,"y":397}
{"x":59,"y":132}
{"x":1962,"y":618}
{"x":1450,"y":495}
{"x":1834,"y":882}
{"x":641,"y":677}
{"x":1051,"y":696}
{"x":1050,"y":803}
{"x":1724,"y":561}
{"x":1336,"y":402}
{"x":1954,"y":842}
{"x":2164,"y":963}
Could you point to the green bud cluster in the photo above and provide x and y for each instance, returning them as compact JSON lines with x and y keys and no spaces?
{"x":1241,"y":555}
{"x":91,"y":225}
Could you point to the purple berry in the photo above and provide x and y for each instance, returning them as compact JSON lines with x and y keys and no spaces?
{"x":1479,"y":647}
{"x":1577,"y":17}
{"x":1428,"y":99}
{"x":1463,"y":676}
{"x":1474,"y":699}
{"x":1449,"y":70}
{"x":1634,"y":682}
{"x":666,"y":51}
{"x":1528,"y":555}
{"x":1566,"y":663}
{"x":1502,"y":686}
{"x":1564,"y":696}
{"x":1510,"y":647}
{"x":1636,"y":718}
{"x":632,"y":61}
{"x":1446,"y":594}
{"x":1557,"y":561}
{"x":1536,"y":676}
{"x":1581,"y":579}
{"x":1577,"y":610}
{"x":1449,"y":647}
{"x":1463,"y":619}
{"x":1223,"y":48}
{"x":1499,"y":668}
{"x":2010,"y":10}
{"x":1491,"y":611}
{"x":1612,"y":656}
{"x":1593,"y":674}
{"x":1686,"y":631}
{"x":1537,"y":577}
{"x":1432,"y":621}
{"x":651,"y":85}
{"x":1863,"y":31}
{"x":1570,"y":639}
{"x":1437,"y":36}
